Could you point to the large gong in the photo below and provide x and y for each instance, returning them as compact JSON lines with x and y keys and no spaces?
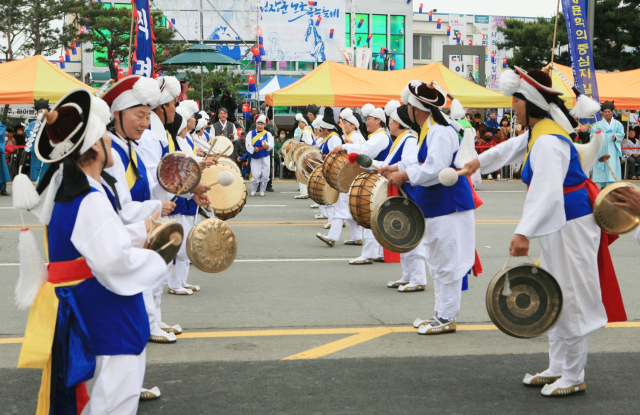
{"x":531,"y":308}
{"x":398,"y":224}
{"x":614,"y":219}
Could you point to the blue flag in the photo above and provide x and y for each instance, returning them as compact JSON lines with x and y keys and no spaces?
{"x":142,"y":62}
{"x":584,"y":73}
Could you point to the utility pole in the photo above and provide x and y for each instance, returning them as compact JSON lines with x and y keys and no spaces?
{"x":591,"y":11}
{"x":353,"y":26}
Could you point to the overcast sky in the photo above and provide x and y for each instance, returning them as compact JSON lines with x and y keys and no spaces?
{"x":544,"y":8}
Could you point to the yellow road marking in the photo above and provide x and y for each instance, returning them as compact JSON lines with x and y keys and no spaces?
{"x":335,"y":346}
{"x":320,"y":332}
{"x":276,"y":223}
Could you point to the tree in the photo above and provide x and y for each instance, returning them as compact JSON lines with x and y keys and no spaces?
{"x":11,"y":28}
{"x":616,"y":38}
{"x":221,"y":79}
{"x":42,"y":37}
{"x":531,"y":42}
{"x":109,"y":33}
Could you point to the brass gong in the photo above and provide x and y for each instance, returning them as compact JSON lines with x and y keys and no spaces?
{"x":533,"y":305}
{"x":614,"y":219}
{"x":211,"y":245}
{"x":165,"y":237}
{"x":398,"y":224}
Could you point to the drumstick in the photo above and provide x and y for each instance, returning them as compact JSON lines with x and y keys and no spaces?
{"x":225,"y":179}
{"x":176,"y":239}
{"x":449,"y":176}
{"x":184,"y":186}
{"x":213,"y":143}
{"x":606,"y":158}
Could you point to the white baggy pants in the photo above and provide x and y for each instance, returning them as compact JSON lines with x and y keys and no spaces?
{"x":116,"y":384}
{"x":260,"y":173}
{"x":414,"y":269}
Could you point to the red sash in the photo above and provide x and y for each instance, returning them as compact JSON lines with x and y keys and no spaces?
{"x":611,"y":296}
{"x":66,"y":271}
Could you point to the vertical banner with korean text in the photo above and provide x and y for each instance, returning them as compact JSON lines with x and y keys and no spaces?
{"x":144,"y":50}
{"x":584,"y":74}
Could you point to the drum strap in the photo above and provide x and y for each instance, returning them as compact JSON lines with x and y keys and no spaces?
{"x":258,"y":137}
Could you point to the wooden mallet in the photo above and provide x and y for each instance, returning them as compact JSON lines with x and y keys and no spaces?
{"x":605,"y":159}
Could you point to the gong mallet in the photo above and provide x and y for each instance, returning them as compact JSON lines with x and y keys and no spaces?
{"x":605,"y":159}
{"x":449,"y":176}
{"x":225,"y":178}
{"x":175,"y":239}
{"x":363,"y":160}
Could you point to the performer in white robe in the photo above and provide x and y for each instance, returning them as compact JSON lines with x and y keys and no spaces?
{"x":96,"y":275}
{"x":558,"y":212}
{"x":613,"y":134}
{"x":404,"y":153}
{"x":377,"y":147}
{"x":259,"y":143}
{"x":307,"y":137}
{"x":449,"y":220}
{"x":339,"y":211}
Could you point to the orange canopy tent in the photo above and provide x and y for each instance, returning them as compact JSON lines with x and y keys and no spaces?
{"x":621,"y":87}
{"x":336,"y":85}
{"x":31,"y":78}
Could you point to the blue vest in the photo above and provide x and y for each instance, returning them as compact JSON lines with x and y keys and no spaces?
{"x":187,"y":207}
{"x":325,"y":146}
{"x":397,"y":157}
{"x":140,"y":191}
{"x":257,"y":154}
{"x":577,"y":203}
{"x":382,"y":156}
{"x":440,"y":200}
{"x":115,"y":324}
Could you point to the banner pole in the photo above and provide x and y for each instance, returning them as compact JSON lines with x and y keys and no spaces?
{"x":555,"y":31}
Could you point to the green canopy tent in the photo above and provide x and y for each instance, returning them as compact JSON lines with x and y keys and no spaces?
{"x":201,"y":55}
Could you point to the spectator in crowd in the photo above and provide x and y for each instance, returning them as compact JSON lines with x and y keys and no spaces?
{"x":18,"y":135}
{"x":224,"y":126}
{"x":498,"y":138}
{"x":229,"y":103}
{"x":477,"y":121}
{"x":505,"y":127}
{"x":251,"y":121}
{"x":4,"y":169}
{"x":632,"y":157}
{"x":481,"y":132}
{"x":583,"y":134}
{"x":277,"y":150}
{"x":239,"y":150}
{"x":492,"y":123}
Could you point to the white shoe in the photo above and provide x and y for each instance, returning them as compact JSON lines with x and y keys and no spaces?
{"x":361,"y":261}
{"x":540,"y":379}
{"x":149,"y":394}
{"x":253,"y":193}
{"x":160,"y":336}
{"x":438,"y":326}
{"x":261,"y":194}
{"x":562,"y":388}
{"x":179,"y":291}
{"x":302,"y":197}
{"x":418,"y":322}
{"x":315,"y":205}
{"x":175,"y":329}
{"x":489,"y":177}
{"x":327,"y":225}
{"x":320,"y":217}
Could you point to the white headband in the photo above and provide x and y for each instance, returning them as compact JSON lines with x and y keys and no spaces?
{"x":327,"y":125}
{"x":317,"y":121}
{"x":394,"y":116}
{"x":347,"y":115}
{"x":378,"y":113}
{"x":511,"y":83}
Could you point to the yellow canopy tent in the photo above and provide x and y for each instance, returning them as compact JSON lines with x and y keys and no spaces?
{"x":31,"y":78}
{"x":621,"y":87}
{"x":336,"y":85}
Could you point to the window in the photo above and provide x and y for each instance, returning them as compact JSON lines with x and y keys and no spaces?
{"x":347,"y":30}
{"x":287,"y":65}
{"x":421,"y":47}
{"x":397,"y":39}
{"x":306,"y":66}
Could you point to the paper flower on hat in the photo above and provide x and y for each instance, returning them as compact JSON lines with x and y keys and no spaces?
{"x":190,"y":105}
{"x":204,"y":115}
{"x":391,"y":107}
{"x":101,"y":109}
{"x":299,"y":117}
{"x":366,"y":110}
{"x":145,"y":91}
{"x":201,"y":124}
{"x":347,"y":115}
{"x":509,"y":82}
{"x":169,"y":89}
{"x":184,"y":112}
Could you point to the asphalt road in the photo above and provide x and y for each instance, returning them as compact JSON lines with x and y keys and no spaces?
{"x":290,"y":327}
